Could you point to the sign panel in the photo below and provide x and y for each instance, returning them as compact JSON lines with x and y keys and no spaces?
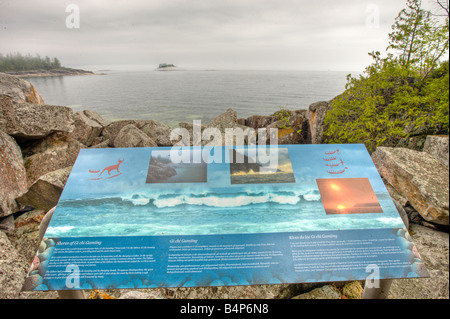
{"x":217,"y":216}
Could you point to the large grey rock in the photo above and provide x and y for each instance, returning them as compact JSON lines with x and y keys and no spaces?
{"x":13,"y":269}
{"x":147,"y":294}
{"x":88,"y":126}
{"x":437,"y":146}
{"x":158,"y":132}
{"x":104,"y":144}
{"x":24,"y":237}
{"x":53,"y":152}
{"x":94,"y":116}
{"x":19,"y":90}
{"x":112,"y":129}
{"x":353,"y":290}
{"x":131,"y":136}
{"x":7,"y":223}
{"x":407,"y":212}
{"x":419,"y":178}
{"x":13,"y":178}
{"x":181,"y":139}
{"x":227,"y":119}
{"x":44,"y":193}
{"x":259,"y":121}
{"x":316,"y":118}
{"x":433,"y":248}
{"x":237,"y":134}
{"x":292,"y":127}
{"x":33,"y":121}
{"x":281,"y":291}
{"x":325,"y":292}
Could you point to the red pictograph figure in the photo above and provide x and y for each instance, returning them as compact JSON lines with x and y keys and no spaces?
{"x":338,"y":172}
{"x":341,"y":162}
{"x":109,"y":169}
{"x":334,"y":162}
{"x":333,"y":152}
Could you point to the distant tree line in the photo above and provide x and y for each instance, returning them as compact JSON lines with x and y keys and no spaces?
{"x":19,"y":62}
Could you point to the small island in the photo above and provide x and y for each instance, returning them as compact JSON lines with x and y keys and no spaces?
{"x":167,"y":67}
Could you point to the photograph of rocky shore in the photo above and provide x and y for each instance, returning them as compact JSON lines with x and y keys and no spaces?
{"x":162,"y":170}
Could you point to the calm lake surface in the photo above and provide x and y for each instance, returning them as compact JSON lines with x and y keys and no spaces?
{"x":175,"y":96}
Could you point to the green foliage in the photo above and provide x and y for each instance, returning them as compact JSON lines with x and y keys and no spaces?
{"x":283,"y":116}
{"x":18,"y":62}
{"x":399,"y":96}
{"x":419,"y":40}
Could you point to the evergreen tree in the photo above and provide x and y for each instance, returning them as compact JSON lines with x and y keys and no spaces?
{"x":17,"y":62}
{"x":399,"y":96}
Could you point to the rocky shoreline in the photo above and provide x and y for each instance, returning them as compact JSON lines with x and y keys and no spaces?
{"x":52,"y":72}
{"x":39,"y":144}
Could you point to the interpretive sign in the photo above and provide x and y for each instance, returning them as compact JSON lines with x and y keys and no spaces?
{"x":207,"y":216}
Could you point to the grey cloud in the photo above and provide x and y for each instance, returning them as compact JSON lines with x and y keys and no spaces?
{"x":251,"y":33}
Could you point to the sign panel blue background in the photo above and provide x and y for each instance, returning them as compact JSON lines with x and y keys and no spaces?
{"x":129,"y":218}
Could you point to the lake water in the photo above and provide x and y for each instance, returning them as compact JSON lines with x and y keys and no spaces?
{"x":173,"y":97}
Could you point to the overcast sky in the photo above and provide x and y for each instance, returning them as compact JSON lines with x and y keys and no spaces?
{"x":221,"y":34}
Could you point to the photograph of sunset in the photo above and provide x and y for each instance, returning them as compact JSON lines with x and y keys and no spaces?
{"x":251,"y":170}
{"x":348,"y":196}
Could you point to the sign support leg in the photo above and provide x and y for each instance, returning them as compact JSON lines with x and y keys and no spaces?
{"x":380,"y":292}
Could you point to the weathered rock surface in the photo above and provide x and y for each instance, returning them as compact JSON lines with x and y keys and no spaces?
{"x":88,"y":126}
{"x":13,"y":178}
{"x":49,"y":154}
{"x":353,"y":290}
{"x":437,"y":146}
{"x":103,"y":144}
{"x":419,"y":178}
{"x":181,"y":137}
{"x":282,"y":291}
{"x":96,"y":117}
{"x":24,"y":237}
{"x":44,"y":193}
{"x":32,"y":121}
{"x":408,"y":213}
{"x":112,"y":129}
{"x":13,"y":269}
{"x":148,"y":294}
{"x":237,"y":134}
{"x":259,"y":121}
{"x":433,"y":247}
{"x":158,"y":132}
{"x":19,"y":90}
{"x":325,"y":292}
{"x":131,"y":136}
{"x":316,"y":119}
{"x":292,"y":127}
{"x":224,"y":120}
